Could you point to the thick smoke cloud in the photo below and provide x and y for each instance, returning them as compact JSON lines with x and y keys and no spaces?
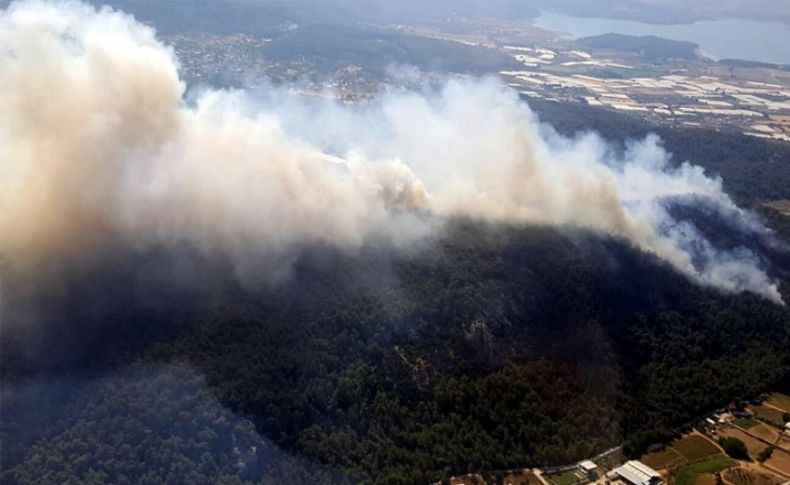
{"x":98,"y":144}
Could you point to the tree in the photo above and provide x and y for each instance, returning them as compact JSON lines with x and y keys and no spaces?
{"x":765,"y":454}
{"x":735,"y":448}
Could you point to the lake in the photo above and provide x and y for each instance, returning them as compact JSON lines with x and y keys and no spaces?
{"x":720,"y":39}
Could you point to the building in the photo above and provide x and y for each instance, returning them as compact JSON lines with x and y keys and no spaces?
{"x":589,"y":469}
{"x":637,"y":473}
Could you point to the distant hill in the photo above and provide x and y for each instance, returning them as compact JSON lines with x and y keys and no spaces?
{"x":648,"y":46}
{"x":331,"y":47}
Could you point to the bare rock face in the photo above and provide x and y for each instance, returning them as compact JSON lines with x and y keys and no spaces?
{"x":480,"y":336}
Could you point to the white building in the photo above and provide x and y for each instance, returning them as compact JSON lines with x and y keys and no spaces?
{"x":637,"y":473}
{"x":589,"y":469}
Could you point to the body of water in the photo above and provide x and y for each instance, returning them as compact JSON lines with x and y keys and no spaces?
{"x":720,"y":39}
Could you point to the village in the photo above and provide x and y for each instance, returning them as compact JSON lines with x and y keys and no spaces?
{"x":709,"y":454}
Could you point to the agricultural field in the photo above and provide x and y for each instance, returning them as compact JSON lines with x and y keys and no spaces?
{"x":745,"y":423}
{"x":742,"y":476}
{"x":768,"y":433}
{"x":696,"y":447}
{"x":753,"y":445}
{"x":781,"y":401}
{"x":689,"y":473}
{"x":780,"y":461}
{"x":660,"y":460}
{"x":768,"y":413}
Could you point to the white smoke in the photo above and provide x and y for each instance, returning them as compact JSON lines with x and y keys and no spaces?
{"x":97,"y":142}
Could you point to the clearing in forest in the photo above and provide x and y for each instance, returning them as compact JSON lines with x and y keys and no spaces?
{"x":782,"y":206}
{"x":524,"y":478}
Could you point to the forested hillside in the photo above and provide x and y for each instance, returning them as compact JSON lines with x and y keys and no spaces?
{"x":493,"y":347}
{"x":648,"y":46}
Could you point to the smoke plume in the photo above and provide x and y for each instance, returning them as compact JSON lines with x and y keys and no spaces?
{"x":97,"y":144}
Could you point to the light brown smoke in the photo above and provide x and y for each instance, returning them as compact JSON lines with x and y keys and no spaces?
{"x":80,"y":93}
{"x":96,"y":143}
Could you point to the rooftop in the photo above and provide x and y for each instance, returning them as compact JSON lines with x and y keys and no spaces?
{"x":637,"y":473}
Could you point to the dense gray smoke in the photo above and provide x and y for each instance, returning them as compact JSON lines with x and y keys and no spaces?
{"x":98,"y":144}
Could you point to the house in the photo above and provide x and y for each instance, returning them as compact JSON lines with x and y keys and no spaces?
{"x":637,"y":473}
{"x":589,"y":469}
